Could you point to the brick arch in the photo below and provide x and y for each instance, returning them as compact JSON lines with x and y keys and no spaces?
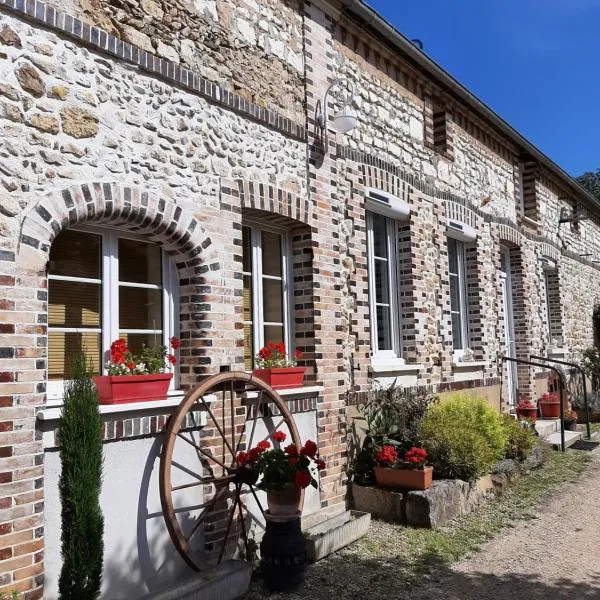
{"x":509,"y":235}
{"x":269,"y":198}
{"x":549,"y":251}
{"x":456,"y":211}
{"x":156,"y":217}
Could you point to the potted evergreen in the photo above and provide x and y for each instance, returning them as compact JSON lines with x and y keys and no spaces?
{"x":274,"y":367}
{"x":410,"y":473}
{"x":136,"y":378}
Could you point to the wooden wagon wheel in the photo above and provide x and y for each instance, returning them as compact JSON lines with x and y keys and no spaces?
{"x":209,"y":502}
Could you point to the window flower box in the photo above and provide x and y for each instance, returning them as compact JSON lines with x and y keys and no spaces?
{"x":285,"y":378}
{"x":118,"y":389}
{"x":409,"y":479}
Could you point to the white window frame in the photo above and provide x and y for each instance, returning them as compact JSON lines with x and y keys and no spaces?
{"x":395,"y":354}
{"x":463,"y":311}
{"x":257,"y":276}
{"x":110,"y":302}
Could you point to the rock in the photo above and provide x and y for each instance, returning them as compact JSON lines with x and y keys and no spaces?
{"x":382,"y":504}
{"x":58,"y":92}
{"x":152,"y":9}
{"x":9,"y":207}
{"x":9,"y":91}
{"x":71,"y":149}
{"x":9,"y":38}
{"x":45,"y":123}
{"x":135,"y":37}
{"x":30,"y":80}
{"x":11,"y":112}
{"x":44,"y":49}
{"x":167,"y":52}
{"x":52,"y":158}
{"x":79,"y":123}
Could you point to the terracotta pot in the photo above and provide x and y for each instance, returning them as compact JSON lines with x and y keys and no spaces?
{"x":550,"y":410}
{"x":280,"y":379}
{"x":284,"y":502}
{"x":118,"y":389}
{"x":412,"y":479}
{"x":528,"y":413}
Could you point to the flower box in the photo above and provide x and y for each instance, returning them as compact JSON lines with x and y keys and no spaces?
{"x":550,"y":409}
{"x":118,"y":389}
{"x":283,"y":378}
{"x":410,"y":479}
{"x":527,"y":412}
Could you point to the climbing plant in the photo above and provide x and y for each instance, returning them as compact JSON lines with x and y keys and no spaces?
{"x":80,"y":442}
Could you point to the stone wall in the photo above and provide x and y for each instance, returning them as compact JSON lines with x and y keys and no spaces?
{"x":252,"y":48}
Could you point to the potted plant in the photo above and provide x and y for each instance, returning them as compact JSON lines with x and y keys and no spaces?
{"x":410,"y":473}
{"x":274,"y":368}
{"x":283,"y":472}
{"x":136,"y":378}
{"x":550,"y":405}
{"x":570,"y":420}
{"x":527,"y":409}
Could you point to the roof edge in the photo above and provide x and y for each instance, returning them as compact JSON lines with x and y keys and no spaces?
{"x":398,"y":39}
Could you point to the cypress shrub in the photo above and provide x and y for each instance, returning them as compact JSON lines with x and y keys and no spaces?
{"x":80,"y":442}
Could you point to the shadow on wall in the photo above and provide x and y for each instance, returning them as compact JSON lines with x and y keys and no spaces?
{"x":351,"y":578}
{"x":158,"y":562}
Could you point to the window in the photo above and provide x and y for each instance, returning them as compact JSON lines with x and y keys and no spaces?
{"x":458,"y":295}
{"x":265,"y":257}
{"x":383,"y":288}
{"x":553,"y":310}
{"x":103,"y":286}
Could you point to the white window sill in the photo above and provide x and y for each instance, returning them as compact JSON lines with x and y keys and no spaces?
{"x":557,"y":352}
{"x":393,"y":366}
{"x":299,"y":392}
{"x":468,"y":364}
{"x":53,"y":411}
{"x":530,"y":221}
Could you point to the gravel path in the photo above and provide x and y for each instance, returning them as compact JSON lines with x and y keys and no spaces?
{"x":555,"y":556}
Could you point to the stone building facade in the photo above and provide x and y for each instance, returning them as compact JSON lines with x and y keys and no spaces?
{"x":191,"y":125}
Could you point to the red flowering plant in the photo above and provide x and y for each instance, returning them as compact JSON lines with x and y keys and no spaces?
{"x":279,"y":467}
{"x":525,"y":403}
{"x":274,"y":356}
{"x":151,"y":360}
{"x":415,"y":458}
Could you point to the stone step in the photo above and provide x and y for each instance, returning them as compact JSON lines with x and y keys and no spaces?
{"x":570,"y":438}
{"x":546,"y":427}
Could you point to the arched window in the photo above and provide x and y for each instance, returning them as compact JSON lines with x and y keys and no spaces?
{"x":104,"y":285}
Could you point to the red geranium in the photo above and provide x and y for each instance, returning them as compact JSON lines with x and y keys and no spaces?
{"x":298,"y":354}
{"x":302,"y":479}
{"x":264,"y":445}
{"x":279,"y":436}
{"x":416,"y":456}
{"x":274,"y":356}
{"x":320,"y":464}
{"x":242,"y":458}
{"x":309,"y":449}
{"x":171,"y":359}
{"x":131,"y":365}
{"x":387,"y":455}
{"x":291,"y":450}
{"x":175,"y":342}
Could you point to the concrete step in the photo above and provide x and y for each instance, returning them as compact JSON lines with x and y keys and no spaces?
{"x":546,"y":427}
{"x":570,"y":438}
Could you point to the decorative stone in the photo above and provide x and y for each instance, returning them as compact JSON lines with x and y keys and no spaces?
{"x":30,"y":80}
{"x":79,"y":123}
{"x":135,"y":37}
{"x":335,"y":533}
{"x":167,"y":52}
{"x":9,"y":38}
{"x":58,"y":92}
{"x":152,"y":9}
{"x":45,"y":123}
{"x":9,"y":91}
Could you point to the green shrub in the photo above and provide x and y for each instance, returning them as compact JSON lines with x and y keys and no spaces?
{"x":463,"y":436}
{"x":82,"y":523}
{"x":520,"y":438}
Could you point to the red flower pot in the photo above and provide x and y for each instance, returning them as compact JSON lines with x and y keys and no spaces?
{"x":284,"y":502}
{"x":550,"y":410}
{"x":279,"y":379}
{"x":411,"y":479}
{"x":118,"y":389}
{"x":528,"y":413}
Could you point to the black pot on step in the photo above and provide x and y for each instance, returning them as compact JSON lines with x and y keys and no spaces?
{"x":283,"y":554}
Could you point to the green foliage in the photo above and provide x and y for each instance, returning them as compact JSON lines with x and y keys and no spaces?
{"x":80,"y":439}
{"x":520,"y":438}
{"x":591,"y":366}
{"x":591,"y":182}
{"x":392,"y":416}
{"x":463,"y":436}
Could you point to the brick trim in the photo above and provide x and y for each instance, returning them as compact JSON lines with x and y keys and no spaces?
{"x":100,"y":40}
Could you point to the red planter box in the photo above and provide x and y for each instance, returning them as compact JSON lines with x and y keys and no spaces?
{"x":410,"y":479}
{"x":528,"y":413}
{"x":118,"y":389}
{"x":550,"y":410}
{"x":282,"y":378}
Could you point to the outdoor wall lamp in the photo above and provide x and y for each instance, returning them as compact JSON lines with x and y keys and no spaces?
{"x":344,"y":119}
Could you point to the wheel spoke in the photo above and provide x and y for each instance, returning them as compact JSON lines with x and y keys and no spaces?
{"x":256,"y":408}
{"x":222,"y":434}
{"x":270,"y":434}
{"x":202,"y":451}
{"x":257,"y":500}
{"x":229,"y":524}
{"x":208,"y":505}
{"x":243,"y":524}
{"x":205,"y":481}
{"x":231,"y":405}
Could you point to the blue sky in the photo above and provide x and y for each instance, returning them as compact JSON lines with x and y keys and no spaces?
{"x":535,"y":62}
